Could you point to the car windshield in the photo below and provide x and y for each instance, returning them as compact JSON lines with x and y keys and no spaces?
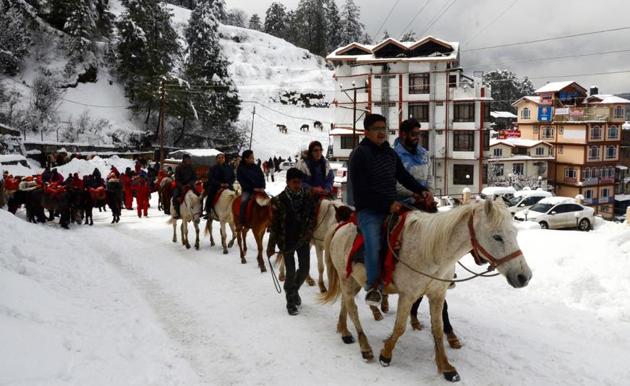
{"x":513,"y":201}
{"x":542,"y":208}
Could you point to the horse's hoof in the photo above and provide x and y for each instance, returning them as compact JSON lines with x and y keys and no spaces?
{"x":454,"y":342}
{"x":230,"y":244}
{"x":187,"y":246}
{"x":281,"y":277}
{"x":385,"y":362}
{"x":243,"y":261}
{"x":367,"y":356}
{"x":212,"y":244}
{"x":310,"y":281}
{"x":385,"y":308}
{"x":263,"y":269}
{"x":197,"y":246}
{"x":416,"y":325}
{"x":452,"y":376}
{"x":348,"y":339}
{"x":225,"y":251}
{"x":322,"y":289}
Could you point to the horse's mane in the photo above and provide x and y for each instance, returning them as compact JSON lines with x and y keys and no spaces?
{"x":439,"y":227}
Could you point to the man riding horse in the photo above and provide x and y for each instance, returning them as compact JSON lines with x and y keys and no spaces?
{"x":373,"y":170}
{"x":251,"y":179}
{"x":220,"y":176}
{"x":184,"y":177}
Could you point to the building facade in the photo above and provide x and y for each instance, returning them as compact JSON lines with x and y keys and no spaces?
{"x":585,"y":131}
{"x":422,"y":80}
{"x":519,"y":162}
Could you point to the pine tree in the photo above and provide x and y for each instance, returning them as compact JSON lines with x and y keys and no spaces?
{"x":59,"y":12}
{"x":365,"y":39}
{"x":15,"y":38}
{"x":255,"y":22}
{"x":81,"y":26}
{"x":236,"y":17}
{"x":333,"y":25}
{"x":385,"y":35}
{"x":276,"y":20}
{"x":409,"y":36}
{"x":506,"y":89}
{"x":311,"y":25}
{"x":146,"y":51}
{"x":351,"y":26}
{"x":215,"y":104}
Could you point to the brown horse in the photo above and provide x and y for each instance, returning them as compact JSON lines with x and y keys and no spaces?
{"x":258,"y":222}
{"x":165,"y":194}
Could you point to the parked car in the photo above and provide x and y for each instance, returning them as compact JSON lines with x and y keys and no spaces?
{"x":524,"y":199}
{"x":341,"y":177}
{"x":286,"y":165}
{"x":558,"y":213}
{"x":498,"y":191}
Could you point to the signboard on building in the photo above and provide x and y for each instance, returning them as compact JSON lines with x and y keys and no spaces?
{"x":546,"y":99}
{"x":504,"y":134}
{"x":562,"y":111}
{"x":577,"y":112}
{"x":545,"y":113}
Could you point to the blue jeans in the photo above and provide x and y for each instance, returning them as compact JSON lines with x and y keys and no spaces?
{"x":371,"y":224}
{"x":245,"y":197}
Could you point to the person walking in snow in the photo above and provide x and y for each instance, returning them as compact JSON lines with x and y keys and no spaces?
{"x":125,"y":179}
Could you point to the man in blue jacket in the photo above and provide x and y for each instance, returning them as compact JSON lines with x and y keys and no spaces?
{"x":318,"y":175}
{"x":374,"y":169}
{"x":251,"y":179}
{"x":414,"y":157}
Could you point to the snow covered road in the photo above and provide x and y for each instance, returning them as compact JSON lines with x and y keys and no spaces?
{"x":121,"y":304}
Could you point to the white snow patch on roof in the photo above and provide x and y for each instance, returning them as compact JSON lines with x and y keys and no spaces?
{"x":554,"y":86}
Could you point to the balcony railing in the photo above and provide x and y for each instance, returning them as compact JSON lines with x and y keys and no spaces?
{"x":571,"y":180}
{"x":590,"y":181}
{"x":588,"y":201}
{"x":605,"y":200}
{"x":597,"y":181}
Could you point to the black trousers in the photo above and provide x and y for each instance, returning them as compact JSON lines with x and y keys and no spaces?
{"x":294,"y":279}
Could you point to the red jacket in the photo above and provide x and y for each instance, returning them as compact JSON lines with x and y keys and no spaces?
{"x":126,"y":181}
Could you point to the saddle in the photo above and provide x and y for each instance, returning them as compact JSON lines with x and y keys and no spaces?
{"x":236,"y":206}
{"x":54,"y":190}
{"x":98,"y":194}
{"x":11,"y":183}
{"x":215,"y":199}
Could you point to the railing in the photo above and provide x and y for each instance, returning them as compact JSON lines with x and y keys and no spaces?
{"x":605,"y":200}
{"x":572,"y":180}
{"x":590,"y":181}
{"x":588,"y":201}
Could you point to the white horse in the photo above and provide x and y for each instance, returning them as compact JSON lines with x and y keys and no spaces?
{"x":326,"y":220}
{"x":190,"y":210}
{"x":431,"y":245}
{"x":223,"y":212}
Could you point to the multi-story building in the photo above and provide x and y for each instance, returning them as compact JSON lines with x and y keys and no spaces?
{"x":585,"y":131}
{"x":519,"y":162}
{"x":423,"y":80}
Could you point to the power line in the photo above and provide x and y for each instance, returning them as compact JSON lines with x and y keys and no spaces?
{"x":549,"y":58}
{"x":546,"y":39}
{"x":414,"y":17}
{"x":492,"y":22}
{"x":386,"y":18}
{"x":435,"y":20}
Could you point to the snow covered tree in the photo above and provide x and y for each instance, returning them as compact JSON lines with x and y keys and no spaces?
{"x":333,"y":25}
{"x":146,"y":51}
{"x":15,"y":37}
{"x":385,"y":35}
{"x":59,"y":12}
{"x":506,"y":88}
{"x":45,"y":99}
{"x":351,"y":26}
{"x":311,"y":23}
{"x":215,"y":102}
{"x":255,"y":23}
{"x":409,"y":36}
{"x":275,"y":20}
{"x":365,"y":39}
{"x":236,"y":17}
{"x":81,"y":26}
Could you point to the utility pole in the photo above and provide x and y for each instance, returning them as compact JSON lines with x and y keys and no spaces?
{"x":161,"y":121}
{"x":251,"y":134}
{"x":354,"y":117}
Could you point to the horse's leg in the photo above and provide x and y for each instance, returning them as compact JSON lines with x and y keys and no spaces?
{"x":239,"y":236}
{"x":320,"y":267}
{"x":233,"y":229}
{"x":415,"y":323}
{"x":282,"y":275}
{"x":209,"y":226}
{"x":348,"y":294}
{"x":342,"y":325}
{"x":385,"y":303}
{"x":223,"y":237}
{"x":436,"y":304}
{"x":451,"y":338}
{"x":196,"y":225}
{"x":185,"y":234}
{"x":402,"y":313}
{"x":376,"y":313}
{"x":174,"y":222}
{"x":259,"y":243}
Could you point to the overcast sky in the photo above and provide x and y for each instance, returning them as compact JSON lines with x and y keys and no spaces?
{"x":482,"y":23}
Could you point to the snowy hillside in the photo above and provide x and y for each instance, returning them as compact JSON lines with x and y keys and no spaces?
{"x":262,"y":66}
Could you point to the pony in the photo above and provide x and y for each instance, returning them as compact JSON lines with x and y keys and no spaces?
{"x":223,"y":214}
{"x":114,"y":194}
{"x":258,"y":223}
{"x":430,"y":246}
{"x":60,"y":204}
{"x":190,"y":210}
{"x":165,"y":194}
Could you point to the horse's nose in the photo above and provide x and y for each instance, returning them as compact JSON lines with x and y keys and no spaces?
{"x":522,"y":280}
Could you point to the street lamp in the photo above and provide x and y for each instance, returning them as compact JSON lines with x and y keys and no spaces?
{"x":539,"y":181}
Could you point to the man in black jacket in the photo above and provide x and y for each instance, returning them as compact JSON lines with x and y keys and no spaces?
{"x":251,"y":179}
{"x":373,"y":170}
{"x":220,"y":176}
{"x":184,"y":176}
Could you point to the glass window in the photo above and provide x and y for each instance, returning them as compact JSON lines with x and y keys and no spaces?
{"x":613,"y":132}
{"x":611,"y":152}
{"x":525,"y":113}
{"x":424,"y":139}
{"x":548,"y":132}
{"x":619,"y":112}
{"x":420,"y":111}
{"x":542,"y":208}
{"x":570,"y":173}
{"x":593,"y":153}
{"x":588,"y":194}
{"x":419,"y":83}
{"x":346,"y":142}
{"x":464,"y":112}
{"x":464,"y":140}
{"x":586,"y":173}
{"x":498,"y":152}
{"x":497,"y":170}
{"x":605,"y":193}
{"x":452,"y":81}
{"x":596,"y":132}
{"x":463,"y":174}
{"x":518,"y":169}
{"x":540,"y":150}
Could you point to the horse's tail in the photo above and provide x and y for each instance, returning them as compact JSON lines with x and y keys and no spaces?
{"x":333,"y":292}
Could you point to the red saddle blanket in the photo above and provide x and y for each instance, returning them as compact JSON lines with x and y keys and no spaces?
{"x":236,"y":207}
{"x":11,"y":183}
{"x":54,"y":190}
{"x":387,"y":253}
{"x":215,"y":199}
{"x":98,"y":194}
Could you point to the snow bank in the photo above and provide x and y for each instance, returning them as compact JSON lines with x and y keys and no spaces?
{"x":84,"y":167}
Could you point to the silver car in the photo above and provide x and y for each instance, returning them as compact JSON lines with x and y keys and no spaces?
{"x":558,"y":213}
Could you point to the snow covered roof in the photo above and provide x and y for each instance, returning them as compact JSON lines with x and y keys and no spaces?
{"x":520,"y":158}
{"x":502,"y":114}
{"x":607,"y":99}
{"x":4,"y":129}
{"x":557,"y":200}
{"x":625,"y":126}
{"x":518,"y":142}
{"x":437,"y":50}
{"x":344,"y":131}
{"x":622,"y":197}
{"x":497,"y":190}
{"x":557,"y":86}
{"x":11,"y":158}
{"x":535,"y":99}
{"x":178,"y":154}
{"x":621,"y":167}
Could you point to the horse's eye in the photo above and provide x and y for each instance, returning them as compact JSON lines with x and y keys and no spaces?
{"x":498,"y":238}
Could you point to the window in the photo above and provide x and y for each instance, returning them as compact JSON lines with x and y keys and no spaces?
{"x":619,"y":112}
{"x":586,"y":173}
{"x":570,"y":173}
{"x":596,"y":132}
{"x":588,"y":194}
{"x":529,"y":201}
{"x":463,"y":174}
{"x":346,"y":142}
{"x":464,"y":141}
{"x":596,"y":173}
{"x":613,"y":132}
{"x":611,"y":152}
{"x":424,"y":139}
{"x":593,"y":153}
{"x":562,"y":208}
{"x":419,"y":83}
{"x":605,"y":193}
{"x":611,"y":172}
{"x":518,"y":169}
{"x":560,"y":149}
{"x":420,"y":111}
{"x":498,"y":170}
{"x":526,"y":113}
{"x":548,"y":132}
{"x":452,"y":81}
{"x":498,"y":152}
{"x":464,"y":112}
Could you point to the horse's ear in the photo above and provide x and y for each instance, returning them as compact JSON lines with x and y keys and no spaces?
{"x":488,"y":206}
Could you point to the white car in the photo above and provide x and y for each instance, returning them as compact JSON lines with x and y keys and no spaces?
{"x":286,"y":165}
{"x":558,"y":213}
{"x":341,"y":177}
{"x":524,"y":199}
{"x":498,"y":191}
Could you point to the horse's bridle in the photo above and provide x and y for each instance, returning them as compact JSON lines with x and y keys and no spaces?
{"x":480,"y":253}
